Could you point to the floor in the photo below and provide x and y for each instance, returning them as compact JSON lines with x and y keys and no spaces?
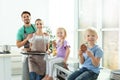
{"x":17,"y":71}
{"x":104,"y":75}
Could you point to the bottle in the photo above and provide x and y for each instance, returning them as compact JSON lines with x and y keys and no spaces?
{"x":54,"y":51}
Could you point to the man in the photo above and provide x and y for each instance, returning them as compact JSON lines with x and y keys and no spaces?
{"x":23,"y":35}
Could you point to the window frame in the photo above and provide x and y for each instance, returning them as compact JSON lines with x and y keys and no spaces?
{"x":99,"y":27}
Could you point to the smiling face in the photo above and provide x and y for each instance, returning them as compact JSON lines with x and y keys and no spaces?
{"x":39,"y":24}
{"x":26,"y":18}
{"x":61,"y":33}
{"x":91,"y":36}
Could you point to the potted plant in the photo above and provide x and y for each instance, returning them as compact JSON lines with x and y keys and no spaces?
{"x":52,"y":39}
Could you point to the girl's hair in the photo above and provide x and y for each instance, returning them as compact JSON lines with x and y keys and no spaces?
{"x":61,"y":28}
{"x":92,"y":30}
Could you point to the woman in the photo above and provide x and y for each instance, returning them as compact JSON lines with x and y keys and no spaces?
{"x":38,"y":45}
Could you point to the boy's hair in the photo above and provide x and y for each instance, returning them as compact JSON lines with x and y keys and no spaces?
{"x":61,"y":28}
{"x":91,"y":29}
{"x":25,"y":12}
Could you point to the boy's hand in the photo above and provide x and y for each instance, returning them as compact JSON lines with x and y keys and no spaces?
{"x":83,"y":48}
{"x":80,"y":52}
{"x":89,"y":53}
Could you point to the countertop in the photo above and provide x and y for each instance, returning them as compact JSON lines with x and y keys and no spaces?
{"x":11,"y":54}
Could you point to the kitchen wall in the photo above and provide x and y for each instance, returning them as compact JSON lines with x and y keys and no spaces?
{"x":10,"y":16}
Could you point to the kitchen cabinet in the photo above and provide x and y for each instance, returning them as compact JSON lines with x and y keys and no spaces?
{"x":5,"y":65}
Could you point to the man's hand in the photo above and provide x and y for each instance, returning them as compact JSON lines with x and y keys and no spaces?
{"x":29,"y":36}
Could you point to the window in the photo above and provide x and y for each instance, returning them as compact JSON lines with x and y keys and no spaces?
{"x":104,"y":15}
{"x":61,"y":14}
{"x":110,"y":32}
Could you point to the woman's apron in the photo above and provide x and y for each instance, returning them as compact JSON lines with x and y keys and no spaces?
{"x":36,"y":61}
{"x":37,"y":64}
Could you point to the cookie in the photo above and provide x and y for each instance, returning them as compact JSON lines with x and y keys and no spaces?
{"x":83,"y":47}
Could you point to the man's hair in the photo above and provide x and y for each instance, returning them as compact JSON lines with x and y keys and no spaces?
{"x":25,"y":12}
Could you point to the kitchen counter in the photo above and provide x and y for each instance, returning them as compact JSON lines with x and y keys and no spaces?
{"x":10,"y":54}
{"x":5,"y":65}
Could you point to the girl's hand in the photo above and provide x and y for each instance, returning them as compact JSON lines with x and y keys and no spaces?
{"x":48,"y":51}
{"x":46,"y":34}
{"x":54,"y":43}
{"x":64,"y":61}
{"x":65,"y":66}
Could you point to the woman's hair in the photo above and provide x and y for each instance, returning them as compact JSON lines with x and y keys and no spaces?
{"x":25,"y":12}
{"x":38,"y":20}
{"x":92,"y":30}
{"x":61,"y":28}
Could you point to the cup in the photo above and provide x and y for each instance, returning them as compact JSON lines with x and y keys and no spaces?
{"x":6,"y":48}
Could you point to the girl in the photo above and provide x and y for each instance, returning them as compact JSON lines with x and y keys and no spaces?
{"x":39,"y":45}
{"x":89,"y":58}
{"x":63,"y":51}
